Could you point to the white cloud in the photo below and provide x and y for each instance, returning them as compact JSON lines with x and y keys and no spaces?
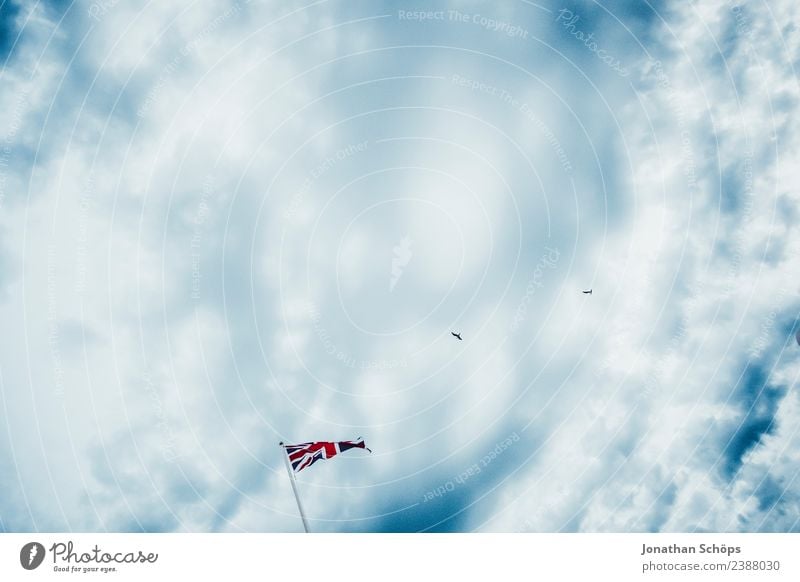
{"x":171,"y":322}
{"x":682,"y":293}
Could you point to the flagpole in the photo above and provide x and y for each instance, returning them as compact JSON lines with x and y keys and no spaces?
{"x":294,"y":487}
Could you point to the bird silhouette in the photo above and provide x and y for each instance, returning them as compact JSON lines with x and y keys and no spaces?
{"x":458,"y":335}
{"x":589,"y":292}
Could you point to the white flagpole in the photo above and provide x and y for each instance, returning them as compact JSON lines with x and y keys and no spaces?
{"x":294,"y":487}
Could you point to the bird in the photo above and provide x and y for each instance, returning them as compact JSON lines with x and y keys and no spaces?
{"x":458,"y":335}
{"x":589,"y":292}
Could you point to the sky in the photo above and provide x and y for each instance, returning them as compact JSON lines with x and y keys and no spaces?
{"x":226,"y":224}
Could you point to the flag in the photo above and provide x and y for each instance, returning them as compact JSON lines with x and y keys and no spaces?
{"x":306,"y":454}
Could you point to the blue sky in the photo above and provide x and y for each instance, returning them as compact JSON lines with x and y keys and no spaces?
{"x":225,"y":224}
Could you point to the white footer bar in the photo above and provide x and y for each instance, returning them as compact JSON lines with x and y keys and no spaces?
{"x":379,"y":557}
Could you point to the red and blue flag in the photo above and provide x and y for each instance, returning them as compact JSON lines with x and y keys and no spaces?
{"x":306,"y":454}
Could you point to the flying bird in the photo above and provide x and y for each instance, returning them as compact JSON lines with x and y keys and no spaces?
{"x":458,"y":335}
{"x":589,"y":292}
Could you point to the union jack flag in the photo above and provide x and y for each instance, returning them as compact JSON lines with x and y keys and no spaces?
{"x":306,"y":454}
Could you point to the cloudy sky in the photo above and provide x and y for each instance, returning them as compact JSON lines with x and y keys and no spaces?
{"x":230,"y":223}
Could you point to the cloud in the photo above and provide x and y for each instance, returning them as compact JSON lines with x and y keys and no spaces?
{"x":202,"y":206}
{"x":677,"y":404}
